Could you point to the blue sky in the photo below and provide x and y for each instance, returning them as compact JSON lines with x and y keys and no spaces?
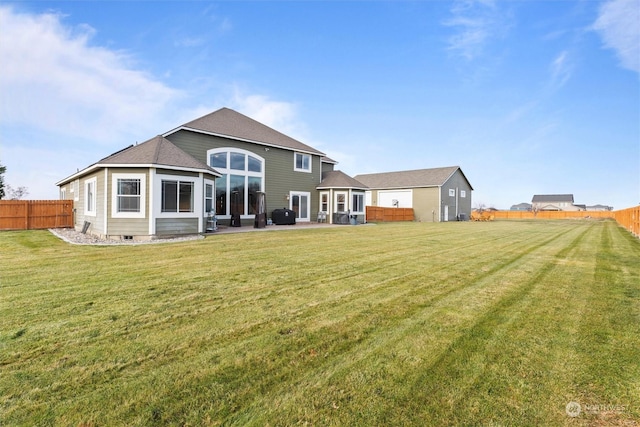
{"x":527,"y":97}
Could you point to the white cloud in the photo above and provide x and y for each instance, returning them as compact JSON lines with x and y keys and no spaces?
{"x":476,"y":23}
{"x":280,"y":115}
{"x":53,"y":79}
{"x":65,"y":102}
{"x":619,"y":26}
{"x":561,"y":70}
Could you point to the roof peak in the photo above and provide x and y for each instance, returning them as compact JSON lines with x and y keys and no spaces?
{"x":233,"y":124}
{"x":412,"y":170}
{"x":429,"y":177}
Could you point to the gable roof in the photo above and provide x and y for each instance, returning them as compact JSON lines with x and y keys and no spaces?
{"x":157,"y":151}
{"x":231,"y":124}
{"x":339,"y":179}
{"x":552,"y":198}
{"x":326,"y":159}
{"x":433,"y":177}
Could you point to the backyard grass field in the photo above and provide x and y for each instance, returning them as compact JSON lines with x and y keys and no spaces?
{"x":504,"y":323}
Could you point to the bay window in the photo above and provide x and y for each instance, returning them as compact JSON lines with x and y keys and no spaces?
{"x":177,"y":196}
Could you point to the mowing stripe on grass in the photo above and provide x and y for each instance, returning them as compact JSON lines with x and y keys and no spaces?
{"x":407,"y":321}
{"x":389,"y":325}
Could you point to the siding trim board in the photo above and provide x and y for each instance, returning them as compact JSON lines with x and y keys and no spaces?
{"x":105,"y":202}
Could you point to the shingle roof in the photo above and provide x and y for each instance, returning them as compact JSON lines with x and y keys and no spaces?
{"x":230,"y":123}
{"x":328,"y":160}
{"x":409,"y":179}
{"x":552,"y":198}
{"x":339,"y":179}
{"x":157,"y":151}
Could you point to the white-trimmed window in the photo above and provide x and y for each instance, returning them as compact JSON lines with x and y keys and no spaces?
{"x":75,"y":189}
{"x":463,"y":193}
{"x":302,"y":162}
{"x":90,"y":196}
{"x":177,"y":196}
{"x":357,"y":203}
{"x":241,"y":181}
{"x":324,"y":202}
{"x":208,"y":198}
{"x":452,"y":192}
{"x":128,"y":195}
{"x":341,"y":201}
{"x":63,"y":193}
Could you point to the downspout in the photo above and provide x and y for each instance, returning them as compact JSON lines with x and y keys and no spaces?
{"x":201,"y":204}
{"x":151,"y":204}
{"x":457,"y":203}
{"x":330,"y":210}
{"x":440,"y":204}
{"x":106,"y":212}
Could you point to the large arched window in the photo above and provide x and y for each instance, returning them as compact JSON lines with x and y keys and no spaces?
{"x":242,"y":178}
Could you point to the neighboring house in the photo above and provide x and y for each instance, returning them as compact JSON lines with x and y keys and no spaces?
{"x":145,"y":190}
{"x":521,"y":207}
{"x":601,"y":208}
{"x":343,"y":196}
{"x":554,"y":202}
{"x":438,"y":194}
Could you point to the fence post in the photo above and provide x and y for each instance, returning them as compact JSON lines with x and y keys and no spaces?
{"x":26,"y":214}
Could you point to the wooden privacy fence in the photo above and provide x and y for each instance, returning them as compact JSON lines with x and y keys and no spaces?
{"x":628,"y":218}
{"x":551,"y":214}
{"x":377,"y":213}
{"x":35,"y":214}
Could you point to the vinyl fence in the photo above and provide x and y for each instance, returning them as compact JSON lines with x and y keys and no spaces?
{"x":35,"y":214}
{"x":377,"y":213}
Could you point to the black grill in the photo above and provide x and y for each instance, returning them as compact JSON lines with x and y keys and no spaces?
{"x":283,"y":216}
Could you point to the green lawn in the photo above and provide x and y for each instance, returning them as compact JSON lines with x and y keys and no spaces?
{"x":499,"y":323}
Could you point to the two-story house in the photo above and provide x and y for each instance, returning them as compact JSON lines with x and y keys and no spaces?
{"x":217,"y":163}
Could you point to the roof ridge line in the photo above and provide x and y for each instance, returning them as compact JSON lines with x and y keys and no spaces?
{"x":156,"y":154}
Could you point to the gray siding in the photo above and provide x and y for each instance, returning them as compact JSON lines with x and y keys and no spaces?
{"x":456,"y":182}
{"x":171,"y":226}
{"x":128,"y":226}
{"x":279,"y":176}
{"x":161,"y":171}
{"x":97,"y":222}
{"x":327,"y":167}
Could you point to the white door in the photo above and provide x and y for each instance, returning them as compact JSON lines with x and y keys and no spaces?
{"x":446,"y":213}
{"x":300,"y":204}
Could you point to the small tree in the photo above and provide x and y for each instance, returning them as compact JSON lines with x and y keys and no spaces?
{"x":16,"y":193}
{"x":3,"y":169}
